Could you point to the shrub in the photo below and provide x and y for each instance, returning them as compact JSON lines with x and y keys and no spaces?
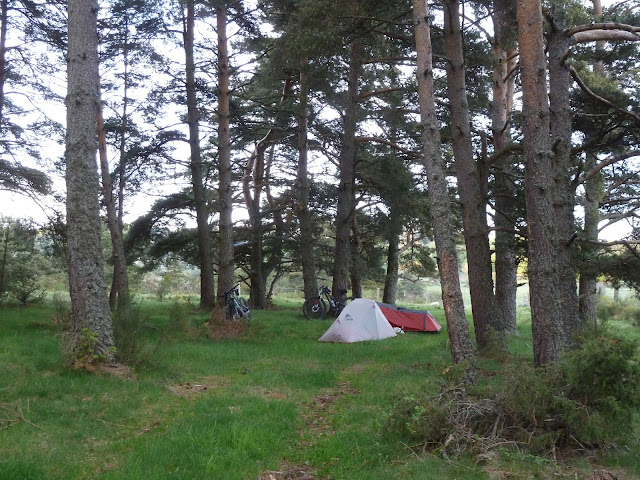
{"x":587,"y":401}
{"x":604,"y":376}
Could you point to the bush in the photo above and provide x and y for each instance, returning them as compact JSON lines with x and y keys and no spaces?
{"x":604,"y":376}
{"x":587,"y":401}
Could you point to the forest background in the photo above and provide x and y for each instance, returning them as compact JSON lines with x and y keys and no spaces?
{"x":279,"y":141}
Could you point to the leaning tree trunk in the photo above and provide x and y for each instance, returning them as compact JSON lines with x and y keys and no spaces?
{"x":506,"y":265}
{"x":346,"y":198}
{"x":253,"y":179}
{"x":196,"y":164}
{"x":119,"y":295}
{"x":225,"y":193}
{"x":87,"y":288}
{"x":306,"y":238}
{"x":471,"y":184}
{"x":457,"y":326}
{"x":548,"y":339}
{"x":253,"y":183}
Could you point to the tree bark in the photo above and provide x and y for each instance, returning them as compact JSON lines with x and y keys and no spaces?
{"x":253,"y":183}
{"x":119,"y":295}
{"x":254,"y":172}
{"x":560,"y":118}
{"x":196,"y":164}
{"x":471,"y":185}
{"x":457,"y":326}
{"x":87,"y":288}
{"x":506,"y":265}
{"x":346,"y":199}
{"x":593,"y":191}
{"x":356,"y":259}
{"x":306,"y":237}
{"x":548,"y":335}
{"x":393,"y":254}
{"x":225,"y":193}
{"x":587,"y":291}
{"x":394,"y":203}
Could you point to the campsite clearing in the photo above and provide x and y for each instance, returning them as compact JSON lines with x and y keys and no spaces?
{"x":272,"y":401}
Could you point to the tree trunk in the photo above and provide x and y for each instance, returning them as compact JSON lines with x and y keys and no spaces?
{"x":593,"y":191}
{"x":254,"y":171}
{"x":506,"y":266}
{"x":274,"y":263}
{"x":560,"y":118}
{"x":394,"y":203}
{"x":225,"y":193}
{"x":539,"y":187}
{"x":254,"y":179}
{"x":119,"y":294}
{"x":87,"y":288}
{"x":393,"y":254}
{"x":471,"y":186}
{"x":346,"y":199}
{"x":196,"y":164}
{"x":457,"y":326}
{"x":306,"y":238}
{"x":356,"y":259}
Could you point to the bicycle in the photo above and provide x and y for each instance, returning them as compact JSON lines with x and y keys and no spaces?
{"x":316,"y":307}
{"x":236,"y":307}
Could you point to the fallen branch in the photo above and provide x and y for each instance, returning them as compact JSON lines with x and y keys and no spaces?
{"x":14,"y":417}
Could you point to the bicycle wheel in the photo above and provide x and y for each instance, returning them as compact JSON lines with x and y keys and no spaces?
{"x":314,"y":308}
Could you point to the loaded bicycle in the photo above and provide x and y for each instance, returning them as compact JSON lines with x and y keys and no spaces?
{"x":236,"y":307}
{"x":316,"y":307}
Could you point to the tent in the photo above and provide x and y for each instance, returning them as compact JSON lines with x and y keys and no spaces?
{"x":409,"y":320}
{"x":360,"y":320}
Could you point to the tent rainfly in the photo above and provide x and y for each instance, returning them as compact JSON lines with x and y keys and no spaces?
{"x":409,"y":320}
{"x":360,"y":320}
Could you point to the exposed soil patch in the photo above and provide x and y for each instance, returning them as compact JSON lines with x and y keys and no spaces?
{"x":604,"y":474}
{"x":288,"y":471}
{"x":315,"y":412}
{"x":189,"y":389}
{"x":116,"y":369}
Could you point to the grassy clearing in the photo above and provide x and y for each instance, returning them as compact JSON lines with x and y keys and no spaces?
{"x":271,"y":400}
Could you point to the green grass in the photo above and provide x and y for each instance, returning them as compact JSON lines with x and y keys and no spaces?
{"x":229,"y":408}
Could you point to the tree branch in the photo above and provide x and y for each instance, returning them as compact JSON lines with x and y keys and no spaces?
{"x":605,"y":163}
{"x":595,"y":96}
{"x":393,"y":145}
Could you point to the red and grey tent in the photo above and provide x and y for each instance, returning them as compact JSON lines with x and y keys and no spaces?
{"x":409,"y":320}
